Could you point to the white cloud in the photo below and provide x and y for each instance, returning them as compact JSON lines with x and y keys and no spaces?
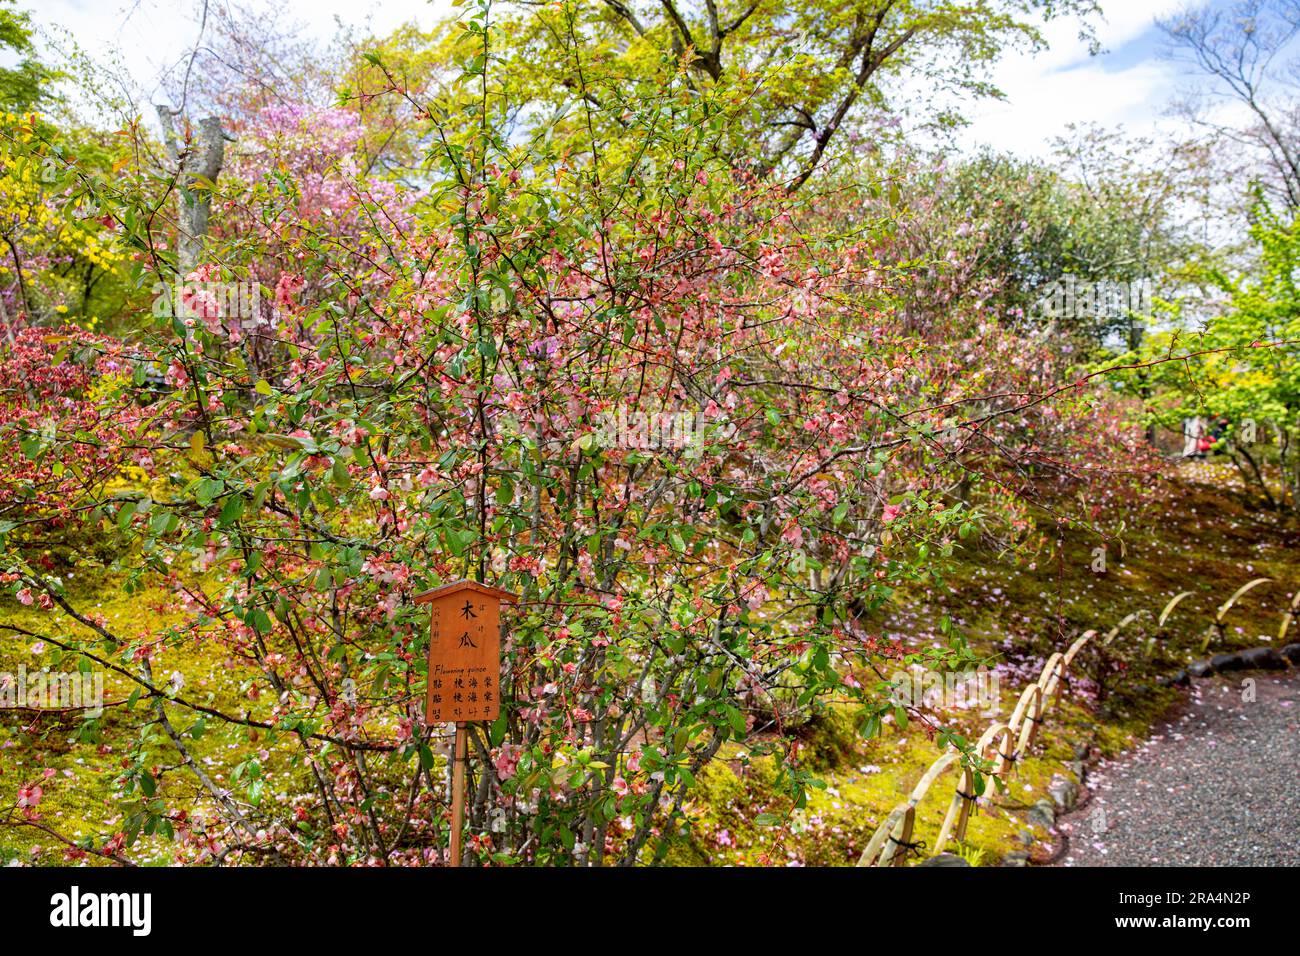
{"x":1130,"y":84}
{"x":1043,"y":106}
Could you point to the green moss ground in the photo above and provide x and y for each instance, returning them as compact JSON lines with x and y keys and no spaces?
{"x":88,"y":759}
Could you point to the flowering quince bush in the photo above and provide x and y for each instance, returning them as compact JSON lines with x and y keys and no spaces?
{"x":59,"y":443}
{"x":425,"y":394}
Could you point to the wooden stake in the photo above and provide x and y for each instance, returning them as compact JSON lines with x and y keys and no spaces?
{"x":458,"y":790}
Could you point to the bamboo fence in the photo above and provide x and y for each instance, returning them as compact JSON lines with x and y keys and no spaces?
{"x":1004,"y":744}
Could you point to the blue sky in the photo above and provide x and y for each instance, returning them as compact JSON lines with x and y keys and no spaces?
{"x":1130,"y":84}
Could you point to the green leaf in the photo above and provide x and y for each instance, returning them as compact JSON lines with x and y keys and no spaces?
{"x":208,"y":490}
{"x":505,"y":491}
{"x":231,"y":511}
{"x":497,"y":730}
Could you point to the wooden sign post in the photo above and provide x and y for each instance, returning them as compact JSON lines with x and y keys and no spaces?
{"x":464,"y":680}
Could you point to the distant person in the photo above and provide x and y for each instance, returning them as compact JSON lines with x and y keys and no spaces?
{"x":1222,"y":429}
{"x":1194,"y":435}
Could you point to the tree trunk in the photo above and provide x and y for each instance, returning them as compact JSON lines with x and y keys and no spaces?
{"x":197,"y":164}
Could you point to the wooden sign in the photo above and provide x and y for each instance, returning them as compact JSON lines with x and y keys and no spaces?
{"x":464,"y":652}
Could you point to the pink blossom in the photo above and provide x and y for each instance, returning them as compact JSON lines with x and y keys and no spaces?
{"x":507,"y":760}
{"x":287,"y":287}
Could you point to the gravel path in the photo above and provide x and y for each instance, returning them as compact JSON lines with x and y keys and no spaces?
{"x":1219,"y":785}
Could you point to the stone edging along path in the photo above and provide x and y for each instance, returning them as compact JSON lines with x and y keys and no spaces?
{"x":1254,"y":659}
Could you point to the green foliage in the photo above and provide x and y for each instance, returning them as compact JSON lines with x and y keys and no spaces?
{"x":1103,"y":212}
{"x":1241,"y":366}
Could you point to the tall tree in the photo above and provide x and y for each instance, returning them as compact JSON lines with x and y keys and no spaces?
{"x":827,"y":66}
{"x":1239,"y":51}
{"x":26,"y":84}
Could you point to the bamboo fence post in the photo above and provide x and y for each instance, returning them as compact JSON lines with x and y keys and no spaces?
{"x":1025,"y":722}
{"x":1124,"y":622}
{"x":1005,"y":738}
{"x":897,"y":828}
{"x":877,"y":841}
{"x":959,"y":810}
{"x":1288,"y":616}
{"x":1218,"y":628}
{"x":891,"y":856}
{"x":963,"y":798}
{"x":1077,"y":646}
{"x":1237,"y":595}
{"x":1169,"y":608}
{"x":1051,"y":677}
